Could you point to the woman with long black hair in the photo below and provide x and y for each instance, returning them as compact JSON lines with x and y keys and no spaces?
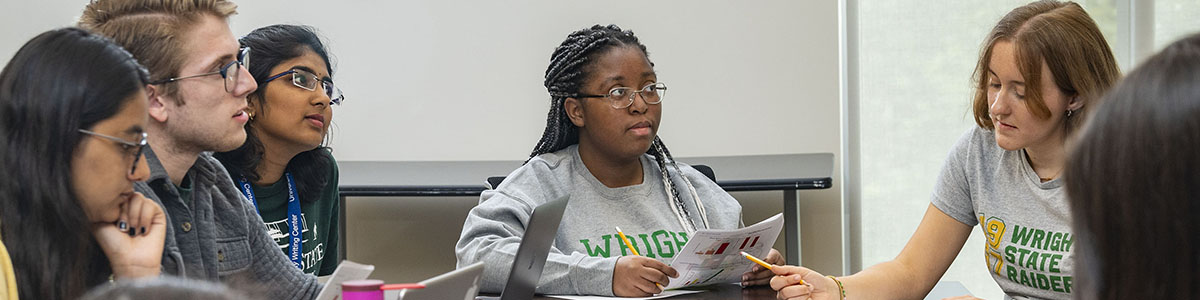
{"x":74,"y":111}
{"x":284,"y":167}
{"x":1132,"y":181}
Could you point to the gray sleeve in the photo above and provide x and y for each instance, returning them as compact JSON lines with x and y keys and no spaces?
{"x":492,"y":233}
{"x":952,"y":191}
{"x":271,"y":267}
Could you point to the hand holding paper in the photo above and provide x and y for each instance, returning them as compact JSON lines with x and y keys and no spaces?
{"x":712,"y":256}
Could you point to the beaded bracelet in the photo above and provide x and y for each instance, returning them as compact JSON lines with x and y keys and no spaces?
{"x":841,"y":289}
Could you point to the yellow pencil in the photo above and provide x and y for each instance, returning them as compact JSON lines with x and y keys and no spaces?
{"x":627,"y":243}
{"x":760,"y":262}
{"x":631,"y":248}
{"x":755,"y":259}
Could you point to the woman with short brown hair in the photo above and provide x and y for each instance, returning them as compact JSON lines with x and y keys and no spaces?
{"x":1042,"y":66}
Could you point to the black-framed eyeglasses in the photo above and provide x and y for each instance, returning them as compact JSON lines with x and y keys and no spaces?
{"x":307,"y":80}
{"x":622,"y":97}
{"x":127,"y":146}
{"x":229,"y":72}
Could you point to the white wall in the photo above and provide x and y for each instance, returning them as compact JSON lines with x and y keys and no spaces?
{"x":461,"y":80}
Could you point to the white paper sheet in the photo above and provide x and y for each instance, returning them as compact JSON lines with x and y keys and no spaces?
{"x":346,"y":271}
{"x":712,"y":256}
{"x":666,"y":294}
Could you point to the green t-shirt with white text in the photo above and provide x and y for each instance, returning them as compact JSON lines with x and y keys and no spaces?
{"x":320,"y":219}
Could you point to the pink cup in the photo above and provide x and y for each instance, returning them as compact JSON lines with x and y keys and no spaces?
{"x":369,"y":289}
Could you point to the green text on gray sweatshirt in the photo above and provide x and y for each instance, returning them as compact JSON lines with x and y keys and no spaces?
{"x":587,"y":247}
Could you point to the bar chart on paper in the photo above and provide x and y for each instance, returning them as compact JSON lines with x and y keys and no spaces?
{"x":720,"y":249}
{"x":712,"y":256}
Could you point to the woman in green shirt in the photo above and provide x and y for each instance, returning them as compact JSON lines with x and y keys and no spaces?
{"x":284,"y":169}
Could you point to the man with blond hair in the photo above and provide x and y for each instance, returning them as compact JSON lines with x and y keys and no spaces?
{"x":197,"y":101}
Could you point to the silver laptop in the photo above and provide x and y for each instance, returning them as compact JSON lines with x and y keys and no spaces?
{"x":460,"y":284}
{"x":531,"y":255}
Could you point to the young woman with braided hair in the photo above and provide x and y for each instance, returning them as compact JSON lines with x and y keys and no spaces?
{"x":600,"y":148}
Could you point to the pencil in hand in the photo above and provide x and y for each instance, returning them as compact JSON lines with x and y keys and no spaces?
{"x":626,"y":240}
{"x":760,"y":262}
{"x":631,"y":248}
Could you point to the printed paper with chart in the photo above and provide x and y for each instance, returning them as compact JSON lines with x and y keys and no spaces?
{"x":712,"y":256}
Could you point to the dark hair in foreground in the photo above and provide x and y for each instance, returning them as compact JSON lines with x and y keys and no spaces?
{"x":173,"y":288}
{"x":269,"y":47}
{"x":58,"y":82}
{"x":1134,"y":183}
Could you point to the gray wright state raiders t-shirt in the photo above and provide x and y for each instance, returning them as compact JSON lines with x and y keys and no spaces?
{"x":1027,"y":222}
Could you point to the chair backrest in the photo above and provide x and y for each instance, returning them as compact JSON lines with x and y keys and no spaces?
{"x":494,"y":182}
{"x":707,"y":171}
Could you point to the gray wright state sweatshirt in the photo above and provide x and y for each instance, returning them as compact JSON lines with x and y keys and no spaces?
{"x":587,"y":246}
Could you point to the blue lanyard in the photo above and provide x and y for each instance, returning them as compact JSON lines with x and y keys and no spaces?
{"x":295,"y":238}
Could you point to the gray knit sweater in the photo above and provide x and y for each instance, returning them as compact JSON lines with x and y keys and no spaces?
{"x":216,"y":235}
